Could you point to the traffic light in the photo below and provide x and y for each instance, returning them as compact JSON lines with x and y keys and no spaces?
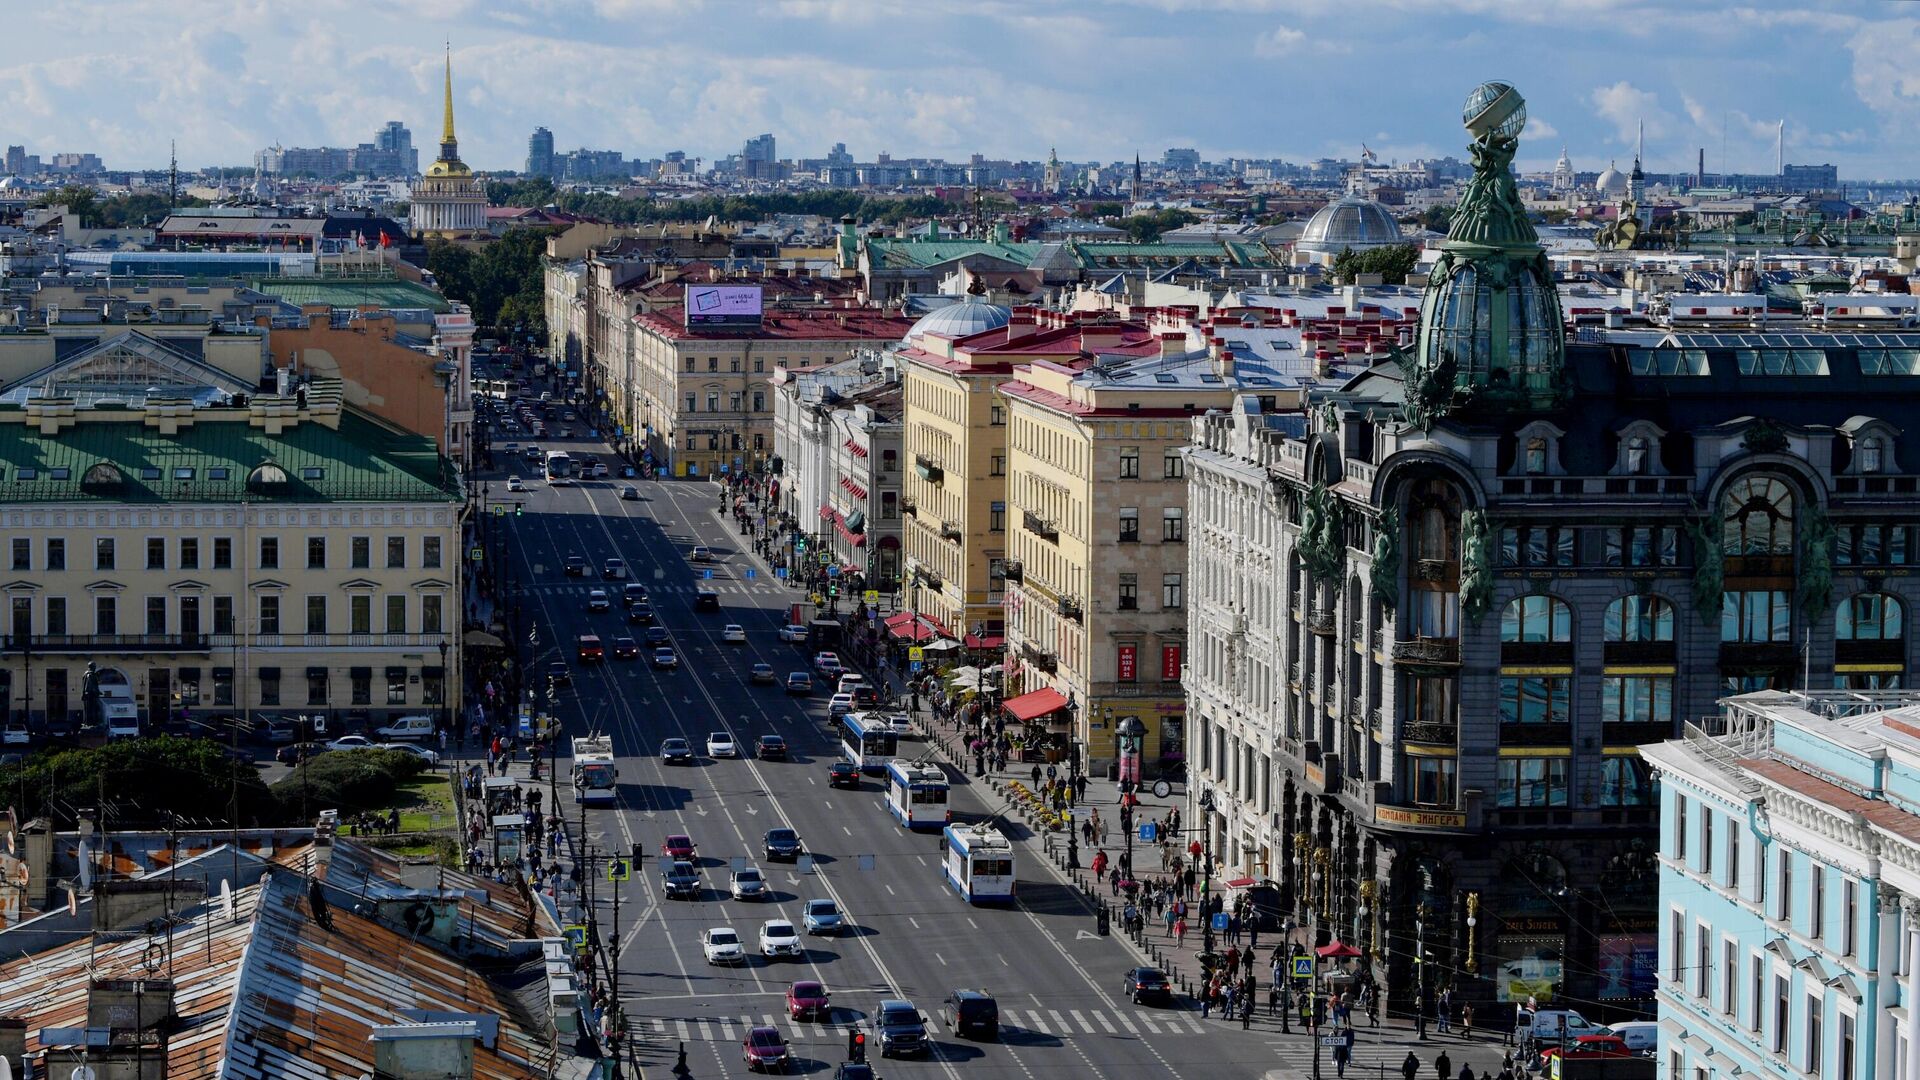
{"x":519,"y":508}
{"x":856,"y":1046}
{"x":833,"y":589}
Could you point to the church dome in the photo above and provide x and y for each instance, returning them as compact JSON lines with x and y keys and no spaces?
{"x":1611,"y":182}
{"x":970,"y":316}
{"x":1351,"y":222}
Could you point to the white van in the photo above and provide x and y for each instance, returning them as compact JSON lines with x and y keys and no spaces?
{"x":1641,"y":1036}
{"x":407,"y":727}
{"x":122,"y":717}
{"x":1545,"y":1025}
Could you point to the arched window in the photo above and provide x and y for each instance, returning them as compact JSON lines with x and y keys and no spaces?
{"x":1870,"y":616}
{"x":1757,"y":517}
{"x":1638,"y":618}
{"x":1637,"y":452}
{"x":1537,"y":620}
{"x":1434,"y":534}
{"x":1536,"y":455}
{"x":1871,"y":454}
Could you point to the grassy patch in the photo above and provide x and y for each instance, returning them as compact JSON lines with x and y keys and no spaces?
{"x":426,"y":804}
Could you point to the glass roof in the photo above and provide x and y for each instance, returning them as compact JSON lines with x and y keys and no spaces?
{"x":1796,"y":341}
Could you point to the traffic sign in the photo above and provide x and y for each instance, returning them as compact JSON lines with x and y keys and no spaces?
{"x":706,"y":575}
{"x":1150,"y":831}
{"x":826,"y":557}
{"x":871,"y":596}
{"x":499,"y":509}
{"x":1303,"y":967}
{"x":619,"y":869}
{"x":913,"y":667}
{"x":576,"y":936}
{"x":1222,"y":921}
{"x":780,"y":572}
{"x":833,"y":571}
{"x":916,"y":653}
{"x":477,"y":553}
{"x":751,"y":573}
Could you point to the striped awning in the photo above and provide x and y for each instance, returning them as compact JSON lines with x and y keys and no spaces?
{"x":855,"y":448}
{"x":853,"y":489}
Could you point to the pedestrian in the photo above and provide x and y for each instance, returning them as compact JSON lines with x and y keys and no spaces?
{"x":1180,"y":933}
{"x":1373,"y":1006}
{"x":1410,"y":1068}
{"x":1466,"y":1072}
{"x":1343,"y":1053}
{"x":1273,"y":999}
{"x":1442,"y":1013}
{"x":1246,"y":1010}
{"x":1466,"y":1020}
{"x":1206,"y":999}
{"x":1253,"y":935}
{"x":1443,"y":1066}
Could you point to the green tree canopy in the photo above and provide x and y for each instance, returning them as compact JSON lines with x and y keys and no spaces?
{"x":1392,"y":263}
{"x":501,"y":281}
{"x":121,"y":211}
{"x":1146,"y":228}
{"x":140,"y":783}
{"x":834,"y":203}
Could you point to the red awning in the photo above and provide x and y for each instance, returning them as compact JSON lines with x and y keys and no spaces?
{"x":990,"y":641}
{"x":1037,"y":704}
{"x":854,"y":489}
{"x":1337,"y":950}
{"x":915,"y":629}
{"x":854,"y":538}
{"x":826,"y":513}
{"x":899,"y":619}
{"x":858,"y":450}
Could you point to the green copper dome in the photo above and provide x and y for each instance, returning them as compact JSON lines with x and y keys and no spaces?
{"x":1490,"y":325}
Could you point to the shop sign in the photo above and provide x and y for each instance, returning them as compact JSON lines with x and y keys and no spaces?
{"x":1420,"y":819}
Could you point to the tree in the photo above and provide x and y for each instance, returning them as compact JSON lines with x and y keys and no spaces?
{"x":1435,"y":218}
{"x":1146,"y":228}
{"x":1393,"y":263}
{"x":141,"y":783}
{"x":503,"y":281}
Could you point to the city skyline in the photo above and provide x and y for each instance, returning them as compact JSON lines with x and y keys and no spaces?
{"x":943,"y":79}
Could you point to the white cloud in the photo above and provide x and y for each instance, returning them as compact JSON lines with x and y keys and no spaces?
{"x":1884,"y":74}
{"x":1539,"y":129}
{"x":1278,"y":41}
{"x":1625,"y":106}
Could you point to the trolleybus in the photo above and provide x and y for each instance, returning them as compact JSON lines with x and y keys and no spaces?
{"x":917,"y":795}
{"x":868,"y":741}
{"x":979,"y":864}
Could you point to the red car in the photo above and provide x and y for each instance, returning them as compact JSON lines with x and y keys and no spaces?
{"x":678,"y":846}
{"x":807,"y":998}
{"x":764,"y":1048}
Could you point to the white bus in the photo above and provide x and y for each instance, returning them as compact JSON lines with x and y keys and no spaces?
{"x":594,"y":773}
{"x":917,"y":795}
{"x":559,"y":468}
{"x":867,"y":740}
{"x":979,"y":864}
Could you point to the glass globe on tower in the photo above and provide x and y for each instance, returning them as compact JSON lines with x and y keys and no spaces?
{"x":1490,"y":325}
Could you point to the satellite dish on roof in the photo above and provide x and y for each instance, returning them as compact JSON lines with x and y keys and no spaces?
{"x":82,"y":1072}
{"x":226,"y":899}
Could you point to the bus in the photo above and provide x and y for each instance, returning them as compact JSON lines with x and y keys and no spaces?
{"x":867,"y":740}
{"x":559,"y":468}
{"x":978,"y":863}
{"x":917,"y":795}
{"x":594,"y":773}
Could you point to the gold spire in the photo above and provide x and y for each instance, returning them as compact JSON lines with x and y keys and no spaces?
{"x":446,"y":126}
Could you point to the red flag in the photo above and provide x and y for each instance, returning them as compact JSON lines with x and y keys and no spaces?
{"x":385,"y":241}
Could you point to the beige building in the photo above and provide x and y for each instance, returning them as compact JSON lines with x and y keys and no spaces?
{"x":955,"y":448}
{"x":1096,"y":532}
{"x":212,"y":548}
{"x":701,"y":399}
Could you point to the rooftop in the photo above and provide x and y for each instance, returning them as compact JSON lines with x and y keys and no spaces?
{"x":393,"y":294}
{"x":858,"y":324}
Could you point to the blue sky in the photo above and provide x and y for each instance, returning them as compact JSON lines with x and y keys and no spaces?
{"x":1099,"y":79}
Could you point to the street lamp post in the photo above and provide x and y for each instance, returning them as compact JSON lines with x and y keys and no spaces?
{"x":1420,"y":964}
{"x":1313,"y":987}
{"x":446,"y":691}
{"x":1128,"y":736}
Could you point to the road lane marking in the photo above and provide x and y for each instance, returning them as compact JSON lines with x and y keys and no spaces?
{"x":1060,"y":1023}
{"x":942,"y":959}
{"x":914,"y":921}
{"x":1082,"y":1021}
{"x":1102,"y":1017}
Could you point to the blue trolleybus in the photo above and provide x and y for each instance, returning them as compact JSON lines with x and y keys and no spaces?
{"x":867,"y":740}
{"x":979,"y":864}
{"x":917,"y":795}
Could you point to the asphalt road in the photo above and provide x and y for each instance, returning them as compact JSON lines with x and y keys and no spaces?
{"x":1057,"y":983}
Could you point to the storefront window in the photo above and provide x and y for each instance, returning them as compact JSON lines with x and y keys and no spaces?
{"x":1528,"y":783}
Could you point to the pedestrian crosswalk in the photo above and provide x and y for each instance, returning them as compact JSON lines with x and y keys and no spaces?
{"x":1049,"y":1022}
{"x":723,"y":587}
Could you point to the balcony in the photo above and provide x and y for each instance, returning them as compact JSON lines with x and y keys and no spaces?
{"x":927,"y":469}
{"x":1436,"y":652}
{"x":951,"y":532}
{"x":1042,"y":660}
{"x":1070,"y":608}
{"x":1320,"y":621}
{"x":1431,"y":732}
{"x":1012,"y":570}
{"x":15,"y":644}
{"x":1039,"y":526}
{"x":909,"y":505}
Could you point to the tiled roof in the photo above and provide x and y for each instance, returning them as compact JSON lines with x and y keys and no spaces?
{"x":360,"y":461}
{"x":1878,"y":812}
{"x":392,"y":294}
{"x":924,"y":253}
{"x":860,"y":324}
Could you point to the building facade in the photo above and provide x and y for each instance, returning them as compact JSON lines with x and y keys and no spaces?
{"x":699,"y":400}
{"x":540,"y":152}
{"x":449,"y":200}
{"x":1500,"y":562}
{"x":215,"y":552}
{"x":837,"y":439}
{"x":1790,"y":888}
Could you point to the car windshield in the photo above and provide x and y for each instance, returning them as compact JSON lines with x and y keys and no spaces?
{"x":725,"y":937}
{"x":821,"y":907}
{"x":807,"y":989}
{"x":899,"y":1015}
{"x":674,"y":744}
{"x":719,"y":737}
{"x":765,"y":1037}
{"x":1148,"y":975}
{"x":779,"y":929}
{"x":747,"y":875}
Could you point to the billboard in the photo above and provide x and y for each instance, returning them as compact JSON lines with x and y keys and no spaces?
{"x":721,"y":306}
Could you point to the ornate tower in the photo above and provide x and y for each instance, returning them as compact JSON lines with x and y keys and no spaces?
{"x":449,"y":200}
{"x":1490,"y":326}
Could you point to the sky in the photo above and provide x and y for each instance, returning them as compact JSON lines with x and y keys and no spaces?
{"x":1097,"y":79}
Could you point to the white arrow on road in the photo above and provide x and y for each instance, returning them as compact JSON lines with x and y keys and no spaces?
{"x":1085,"y":935}
{"x":751,"y":809}
{"x":698,"y":809}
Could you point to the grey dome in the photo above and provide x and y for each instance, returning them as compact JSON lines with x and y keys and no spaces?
{"x":970,"y":316}
{"x":1611,"y":182}
{"x":1352,"y":222}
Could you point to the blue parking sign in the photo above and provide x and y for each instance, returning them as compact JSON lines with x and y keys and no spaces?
{"x":833,"y":571}
{"x":780,"y":572}
{"x":1150,"y":831}
{"x":706,"y":575}
{"x":1221,"y":921}
{"x":750,"y":573}
{"x":913,"y":666}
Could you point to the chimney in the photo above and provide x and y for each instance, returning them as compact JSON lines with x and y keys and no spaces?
{"x":1223,"y":364}
{"x":129,"y":1004}
{"x":1021,"y":324}
{"x":13,"y":1043}
{"x":132,"y":903}
{"x":322,"y":849}
{"x":37,"y":848}
{"x":1173,"y":344}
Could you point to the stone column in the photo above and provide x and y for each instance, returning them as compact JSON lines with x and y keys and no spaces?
{"x":1910,"y":941}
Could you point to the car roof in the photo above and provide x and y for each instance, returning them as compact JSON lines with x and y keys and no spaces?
{"x":717,"y":929}
{"x":895,"y":1003}
{"x":969,"y":995}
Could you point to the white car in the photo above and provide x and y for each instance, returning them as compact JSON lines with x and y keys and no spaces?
{"x":720,"y":744}
{"x":421,"y":752}
{"x":733,"y":634}
{"x":827,"y":664}
{"x":514,"y":483}
{"x":900,"y":724}
{"x":701,"y":554}
{"x":850,"y":682}
{"x":840,"y":705}
{"x":748,"y":884}
{"x":597,"y":600}
{"x":795,"y":633}
{"x":722,"y":946}
{"x":778,"y":938}
{"x":351,"y":742}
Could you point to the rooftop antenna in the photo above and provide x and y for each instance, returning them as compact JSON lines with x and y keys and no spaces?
{"x":173,"y":175}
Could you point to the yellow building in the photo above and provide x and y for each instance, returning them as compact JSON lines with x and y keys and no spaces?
{"x":1096,"y":531}
{"x":699,"y":398}
{"x":449,"y":200}
{"x":955,"y":444}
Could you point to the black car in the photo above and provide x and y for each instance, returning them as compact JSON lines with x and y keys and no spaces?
{"x":843,"y":774}
{"x":973,"y":1012}
{"x":558,"y":674}
{"x":771,"y":748}
{"x":681,"y":879}
{"x":783,"y":844}
{"x":706,"y":600}
{"x":625,"y":648}
{"x":640,"y":614}
{"x":676,"y":751}
{"x":1144,"y":984}
{"x":853,"y":1070}
{"x":633,"y":593}
{"x":657,"y":636}
{"x":298,"y":752}
{"x":575,"y":566}
{"x":763,"y":673}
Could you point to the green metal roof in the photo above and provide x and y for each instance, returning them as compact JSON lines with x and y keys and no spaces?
{"x":919,"y":253}
{"x":360,"y":462}
{"x":390,"y":293}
